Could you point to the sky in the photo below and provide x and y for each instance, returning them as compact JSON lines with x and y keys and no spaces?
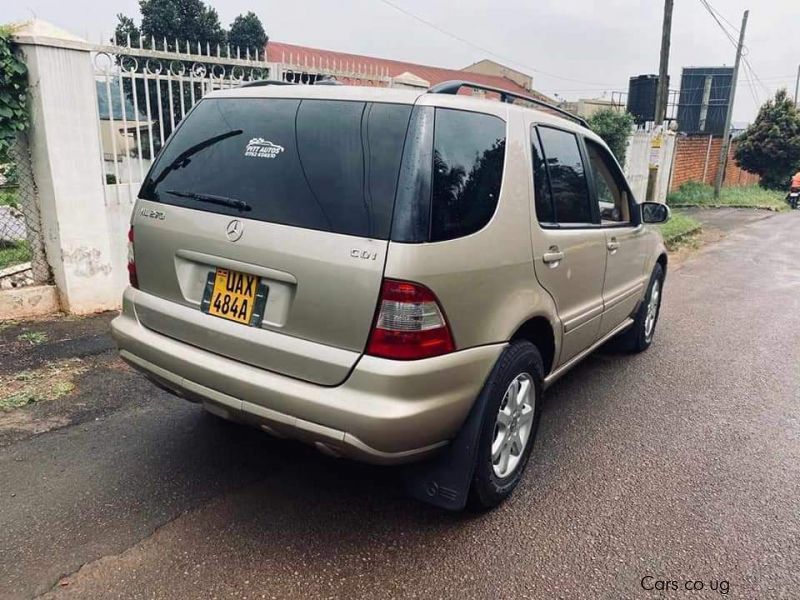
{"x":572,"y":48}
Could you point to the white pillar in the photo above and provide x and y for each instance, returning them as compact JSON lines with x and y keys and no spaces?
{"x":67,"y":166}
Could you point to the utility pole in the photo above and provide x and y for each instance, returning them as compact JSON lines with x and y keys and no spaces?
{"x":662,"y":92}
{"x":726,"y":134}
{"x":797,"y":89}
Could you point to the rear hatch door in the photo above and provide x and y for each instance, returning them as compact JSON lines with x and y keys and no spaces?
{"x":295,"y":195}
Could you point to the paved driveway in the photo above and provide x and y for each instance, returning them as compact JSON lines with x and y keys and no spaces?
{"x":680,"y":464}
{"x":727,"y":219}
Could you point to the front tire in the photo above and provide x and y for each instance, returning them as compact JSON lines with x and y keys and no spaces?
{"x":640,"y":335}
{"x":513,"y":407}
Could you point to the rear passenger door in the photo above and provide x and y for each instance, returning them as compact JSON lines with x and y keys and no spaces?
{"x":569,"y":248}
{"x":625,"y":238}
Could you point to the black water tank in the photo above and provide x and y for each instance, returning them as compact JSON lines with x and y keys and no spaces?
{"x":690,"y":103}
{"x":642,"y":91}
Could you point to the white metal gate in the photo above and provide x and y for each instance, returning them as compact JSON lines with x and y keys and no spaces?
{"x":143,"y":93}
{"x":145,"y":90}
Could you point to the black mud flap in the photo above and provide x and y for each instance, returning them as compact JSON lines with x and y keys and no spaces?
{"x":445,"y":479}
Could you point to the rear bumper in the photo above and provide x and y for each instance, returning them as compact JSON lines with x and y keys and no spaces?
{"x":385,"y":412}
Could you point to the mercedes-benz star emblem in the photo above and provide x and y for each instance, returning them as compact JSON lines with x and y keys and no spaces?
{"x":234,"y":230}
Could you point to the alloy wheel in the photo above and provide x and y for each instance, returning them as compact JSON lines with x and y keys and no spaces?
{"x":652,"y":310}
{"x":513,"y":426}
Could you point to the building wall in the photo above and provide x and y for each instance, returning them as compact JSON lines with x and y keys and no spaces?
{"x":646,"y":148}
{"x":585,"y":108}
{"x":695,"y":161}
{"x":489,"y":67}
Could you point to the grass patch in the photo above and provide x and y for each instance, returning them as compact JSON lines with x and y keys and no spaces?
{"x":14,"y":253}
{"x":678,"y":228}
{"x":7,"y":324}
{"x":34,"y":338}
{"x":693,"y":193}
{"x":40,"y":385}
{"x":8,"y":198}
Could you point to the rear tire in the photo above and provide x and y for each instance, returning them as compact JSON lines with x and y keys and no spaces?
{"x":640,"y":335}
{"x":514,"y":388}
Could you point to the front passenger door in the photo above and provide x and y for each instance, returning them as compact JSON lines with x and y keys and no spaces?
{"x":569,"y":248}
{"x":625,"y":239}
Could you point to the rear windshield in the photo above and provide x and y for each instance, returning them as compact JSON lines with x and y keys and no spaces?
{"x":318,"y":164}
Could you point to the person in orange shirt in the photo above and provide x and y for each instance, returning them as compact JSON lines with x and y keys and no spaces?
{"x":793,"y":198}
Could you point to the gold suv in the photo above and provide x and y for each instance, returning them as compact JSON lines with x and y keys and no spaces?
{"x":389,"y":275}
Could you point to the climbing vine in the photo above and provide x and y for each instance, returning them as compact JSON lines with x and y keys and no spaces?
{"x":13,"y":87}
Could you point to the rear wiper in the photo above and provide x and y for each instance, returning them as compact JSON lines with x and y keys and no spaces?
{"x":184,"y":158}
{"x":212,"y":199}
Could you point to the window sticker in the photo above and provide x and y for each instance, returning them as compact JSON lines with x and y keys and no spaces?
{"x":261,"y":148}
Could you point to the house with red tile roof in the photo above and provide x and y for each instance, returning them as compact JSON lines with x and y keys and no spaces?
{"x":302,"y":62}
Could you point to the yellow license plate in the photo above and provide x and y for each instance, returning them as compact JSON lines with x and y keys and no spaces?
{"x":235,"y":296}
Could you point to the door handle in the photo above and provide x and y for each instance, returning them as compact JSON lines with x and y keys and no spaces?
{"x":612,"y":245}
{"x":553,"y":256}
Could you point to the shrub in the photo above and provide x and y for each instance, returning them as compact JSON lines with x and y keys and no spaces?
{"x":771,"y":145}
{"x":615,"y":128}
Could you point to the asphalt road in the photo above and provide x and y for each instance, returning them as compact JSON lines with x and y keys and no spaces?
{"x":680,"y":464}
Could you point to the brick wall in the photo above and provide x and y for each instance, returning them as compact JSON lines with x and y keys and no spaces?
{"x":694,"y":162}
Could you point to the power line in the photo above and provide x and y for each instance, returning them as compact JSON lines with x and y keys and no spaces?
{"x":714,"y":16}
{"x":748,"y":66}
{"x":744,"y":78}
{"x":787,"y":79}
{"x":721,"y":16}
{"x":717,"y":15}
{"x":481,"y":48}
{"x":750,"y":86}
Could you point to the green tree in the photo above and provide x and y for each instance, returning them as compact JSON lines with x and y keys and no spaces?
{"x":615,"y":129}
{"x":174,"y":20}
{"x":178,"y":22}
{"x":248,"y":32}
{"x":192,"y":21}
{"x":126,"y":29}
{"x":770,"y":147}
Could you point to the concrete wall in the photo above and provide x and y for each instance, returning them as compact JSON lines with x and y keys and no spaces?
{"x":697,"y":159}
{"x":26,"y":302}
{"x":119,"y":203}
{"x":646,"y":148}
{"x":67,"y":165}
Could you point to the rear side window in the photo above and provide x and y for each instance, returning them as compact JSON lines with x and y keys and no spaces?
{"x":570,"y":192}
{"x":317,"y":164}
{"x":468,"y":157}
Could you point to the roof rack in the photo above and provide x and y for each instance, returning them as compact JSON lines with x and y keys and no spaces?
{"x":263,"y":82}
{"x":452,"y":87}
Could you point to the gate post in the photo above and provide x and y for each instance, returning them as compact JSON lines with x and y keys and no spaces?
{"x":66,"y":157}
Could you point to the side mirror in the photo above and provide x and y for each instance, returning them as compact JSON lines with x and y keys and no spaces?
{"x":655,"y":212}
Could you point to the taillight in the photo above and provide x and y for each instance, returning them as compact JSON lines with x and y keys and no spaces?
{"x":410,"y":323}
{"x":132,"y":276}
